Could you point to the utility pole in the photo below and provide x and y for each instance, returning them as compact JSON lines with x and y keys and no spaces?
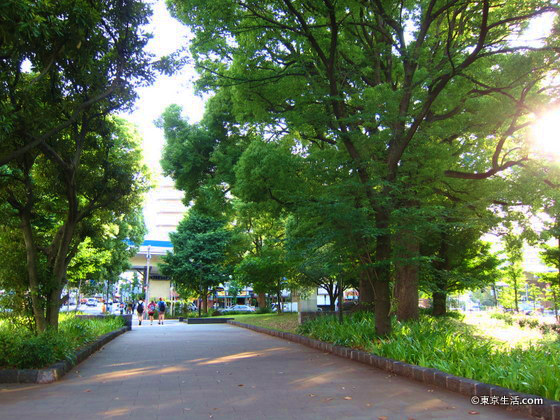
{"x":148,"y":257}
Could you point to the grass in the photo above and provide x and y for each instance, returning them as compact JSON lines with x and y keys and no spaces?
{"x":21,"y":348}
{"x":287,"y":322}
{"x":453,"y":346}
{"x":510,"y":334}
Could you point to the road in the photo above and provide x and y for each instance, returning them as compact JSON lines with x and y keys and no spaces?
{"x":221,"y":372}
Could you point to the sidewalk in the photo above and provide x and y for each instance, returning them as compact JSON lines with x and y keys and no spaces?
{"x":221,"y":372}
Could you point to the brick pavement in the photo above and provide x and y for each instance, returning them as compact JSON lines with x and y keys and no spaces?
{"x":221,"y":372}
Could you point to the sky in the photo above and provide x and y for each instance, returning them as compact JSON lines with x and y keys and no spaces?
{"x":169,"y":35}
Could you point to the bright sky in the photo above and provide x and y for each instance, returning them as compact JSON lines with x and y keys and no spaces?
{"x":169,"y":35}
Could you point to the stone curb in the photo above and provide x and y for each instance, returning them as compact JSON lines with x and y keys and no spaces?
{"x":208,"y":320}
{"x":58,"y":370}
{"x":549,"y":410}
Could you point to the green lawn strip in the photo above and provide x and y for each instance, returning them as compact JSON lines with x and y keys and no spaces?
{"x":287,"y":322}
{"x":511,"y":334}
{"x":453,"y":347}
{"x":20,"y":348}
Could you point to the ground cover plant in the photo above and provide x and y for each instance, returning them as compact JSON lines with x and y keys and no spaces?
{"x":452,"y":346}
{"x":526,"y":322}
{"x":21,"y":348}
{"x":287,"y":322}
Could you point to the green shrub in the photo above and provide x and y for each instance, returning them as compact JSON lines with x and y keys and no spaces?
{"x":21,"y":348}
{"x":451,"y":346}
{"x":264,"y":310}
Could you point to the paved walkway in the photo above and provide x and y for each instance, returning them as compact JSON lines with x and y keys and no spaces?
{"x":221,"y":372}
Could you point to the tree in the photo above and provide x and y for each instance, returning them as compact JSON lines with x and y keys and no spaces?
{"x":266,"y":272}
{"x":64,"y":63}
{"x":199,"y":253}
{"x":375,"y":80}
{"x":122,"y":239}
{"x":201,"y":157}
{"x":62,"y":199}
{"x":233,"y":289}
{"x":513,"y":250}
{"x":66,"y":67}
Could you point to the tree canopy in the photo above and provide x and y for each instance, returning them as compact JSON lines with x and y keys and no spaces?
{"x":409,"y":95}
{"x":197,"y":261}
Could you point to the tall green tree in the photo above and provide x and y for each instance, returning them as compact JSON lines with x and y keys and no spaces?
{"x":200,"y":248}
{"x":65,"y":63}
{"x":66,"y":67}
{"x":58,"y":203}
{"x":377,"y":81}
{"x":513,"y":270}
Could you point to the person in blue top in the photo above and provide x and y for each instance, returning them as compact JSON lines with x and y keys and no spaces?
{"x":161,"y":311}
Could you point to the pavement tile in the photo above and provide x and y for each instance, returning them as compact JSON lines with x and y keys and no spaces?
{"x":215,"y":372}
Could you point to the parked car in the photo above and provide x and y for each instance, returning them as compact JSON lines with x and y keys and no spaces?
{"x":91,"y":302}
{"x":238,"y":308}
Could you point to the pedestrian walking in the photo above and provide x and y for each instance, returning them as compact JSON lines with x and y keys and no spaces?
{"x":161,"y":311}
{"x":140,"y":311}
{"x":151,"y":310}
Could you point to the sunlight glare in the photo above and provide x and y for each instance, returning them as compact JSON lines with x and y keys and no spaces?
{"x":546,"y":134}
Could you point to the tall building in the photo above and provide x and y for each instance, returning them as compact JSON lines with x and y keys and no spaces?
{"x":163,"y":211}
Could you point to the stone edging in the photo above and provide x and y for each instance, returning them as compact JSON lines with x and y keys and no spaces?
{"x":549,"y":410}
{"x":58,"y":370}
{"x":208,"y":320}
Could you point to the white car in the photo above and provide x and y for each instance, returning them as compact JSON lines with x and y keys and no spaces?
{"x":239,"y":308}
{"x":91,"y":302}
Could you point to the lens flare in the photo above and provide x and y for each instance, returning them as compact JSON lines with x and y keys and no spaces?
{"x":546,"y":134}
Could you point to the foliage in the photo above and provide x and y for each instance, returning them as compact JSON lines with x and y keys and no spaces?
{"x":22,"y":349}
{"x":264,"y":310}
{"x":199,"y":252}
{"x":514,"y":277}
{"x":233,"y":289}
{"x":67,"y":167}
{"x":523,"y":322}
{"x":108,"y":182}
{"x":368,"y":91}
{"x":445,"y":344}
{"x":282,"y":322}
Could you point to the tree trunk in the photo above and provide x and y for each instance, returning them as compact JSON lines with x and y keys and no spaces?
{"x":79,"y":295}
{"x":555,"y":301}
{"x":366,"y":298}
{"x":32,"y":273}
{"x":406,"y":276}
{"x":495,"y":294}
{"x":58,"y":259}
{"x":332,"y":296}
{"x":439,"y":295}
{"x":515,"y":291}
{"x":340,"y":300}
{"x":279,"y":298}
{"x":53,"y":308}
{"x":205,"y":301}
{"x":382,"y":275}
{"x":439,"y":306}
{"x":261,"y":300}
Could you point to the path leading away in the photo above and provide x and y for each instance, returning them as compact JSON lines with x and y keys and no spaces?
{"x":221,"y":372}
